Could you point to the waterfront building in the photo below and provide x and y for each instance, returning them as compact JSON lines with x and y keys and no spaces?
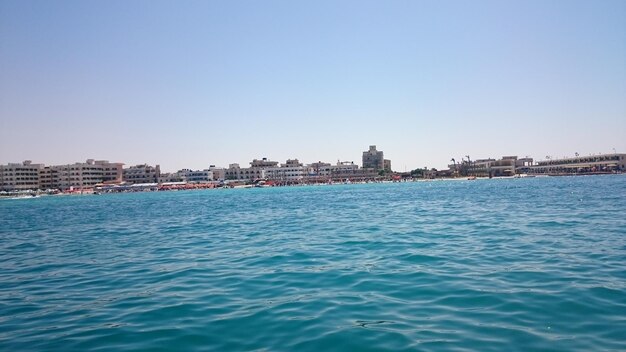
{"x":235,"y":172}
{"x":318,"y":169}
{"x":387,"y":165}
{"x":342,"y":173}
{"x":169,"y":177}
{"x":47,"y":177}
{"x":291,"y":171}
{"x":327,"y":170}
{"x":78,"y":175}
{"x":506,"y":166}
{"x":219,"y":173}
{"x":374,"y":159}
{"x":196,"y":176}
{"x":20,"y":176}
{"x":262,"y":163}
{"x":509,"y":166}
{"x":322,"y":172}
{"x":143,"y":173}
{"x":111,"y":172}
{"x":81,"y":175}
{"x":256,"y":171}
{"x":479,"y":167}
{"x":603,"y":163}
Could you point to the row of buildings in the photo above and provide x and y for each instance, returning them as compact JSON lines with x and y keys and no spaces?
{"x":93,"y":173}
{"x":512,"y":165}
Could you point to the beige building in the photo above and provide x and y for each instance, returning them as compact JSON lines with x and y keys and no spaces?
{"x":143,"y":173}
{"x":509,"y":166}
{"x":78,"y":175}
{"x":219,"y":173}
{"x":81,"y":175}
{"x":291,"y":171}
{"x":256,"y":171}
{"x":170,"y":177}
{"x":387,"y":165}
{"x":506,"y":166}
{"x":322,"y":172}
{"x":20,"y":176}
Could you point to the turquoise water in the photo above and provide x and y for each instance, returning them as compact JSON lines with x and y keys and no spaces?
{"x":489,"y":265}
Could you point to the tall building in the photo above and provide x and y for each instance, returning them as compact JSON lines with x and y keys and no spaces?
{"x":374,"y":159}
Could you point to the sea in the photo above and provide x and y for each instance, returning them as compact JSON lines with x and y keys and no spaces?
{"x":530,"y":264}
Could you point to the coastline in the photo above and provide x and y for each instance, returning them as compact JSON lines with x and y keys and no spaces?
{"x":33,"y":194}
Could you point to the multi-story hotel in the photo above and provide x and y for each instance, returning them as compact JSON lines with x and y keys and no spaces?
{"x":142,"y":174}
{"x":19,"y":176}
{"x":256,"y":171}
{"x":291,"y":171}
{"x":82,"y":175}
{"x":78,"y":175}
{"x":322,"y":172}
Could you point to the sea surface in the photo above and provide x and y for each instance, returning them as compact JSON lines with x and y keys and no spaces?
{"x":487,"y":265}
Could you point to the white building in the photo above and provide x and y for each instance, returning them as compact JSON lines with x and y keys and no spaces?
{"x":326,"y":169}
{"x":196,"y":176}
{"x":291,"y":171}
{"x":256,"y":171}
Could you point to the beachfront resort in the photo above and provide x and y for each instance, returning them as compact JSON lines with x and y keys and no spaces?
{"x":104,"y":176}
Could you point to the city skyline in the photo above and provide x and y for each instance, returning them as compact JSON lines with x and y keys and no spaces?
{"x":359,"y":162}
{"x":188,"y":85}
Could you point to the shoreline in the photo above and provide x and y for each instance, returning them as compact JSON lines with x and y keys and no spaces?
{"x":30,"y":194}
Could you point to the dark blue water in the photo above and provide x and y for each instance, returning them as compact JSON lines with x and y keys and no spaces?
{"x":488,"y":265}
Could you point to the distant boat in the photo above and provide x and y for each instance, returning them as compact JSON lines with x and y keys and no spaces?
{"x":471,"y":178}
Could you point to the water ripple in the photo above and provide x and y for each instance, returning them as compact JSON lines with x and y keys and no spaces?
{"x":525,"y":264}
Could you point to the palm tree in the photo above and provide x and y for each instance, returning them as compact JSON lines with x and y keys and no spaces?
{"x":454,"y":163}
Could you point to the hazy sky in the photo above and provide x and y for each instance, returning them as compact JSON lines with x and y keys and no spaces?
{"x":186,"y":84}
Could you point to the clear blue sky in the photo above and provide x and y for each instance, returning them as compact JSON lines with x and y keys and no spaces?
{"x":192,"y":83}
